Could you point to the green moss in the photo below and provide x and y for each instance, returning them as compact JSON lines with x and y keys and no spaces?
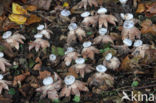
{"x":12,"y":91}
{"x":135,"y":83}
{"x":57,"y":51}
{"x":76,"y":99}
{"x":56,"y":101}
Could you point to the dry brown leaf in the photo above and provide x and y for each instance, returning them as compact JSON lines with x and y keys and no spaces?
{"x":5,"y":100}
{"x":38,"y":65}
{"x":21,"y":90}
{"x":148,"y":27}
{"x":33,"y":19}
{"x":30,"y":55}
{"x":4,"y":6}
{"x":6,"y":24}
{"x":24,"y":1}
{"x":31,"y":8}
{"x":145,"y":26}
{"x":44,"y":74}
{"x":141,"y":8}
{"x":72,"y":72}
{"x":125,"y":63}
{"x":8,"y":50}
{"x":33,"y":81}
{"x":42,"y":4}
{"x":150,"y":56}
{"x":152,"y":8}
{"x":20,"y":78}
{"x":130,"y":64}
{"x":115,"y":36}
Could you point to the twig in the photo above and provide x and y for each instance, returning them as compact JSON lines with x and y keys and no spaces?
{"x":136,"y":88}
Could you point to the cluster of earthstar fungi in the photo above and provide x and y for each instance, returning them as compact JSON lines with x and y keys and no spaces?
{"x":54,"y":87}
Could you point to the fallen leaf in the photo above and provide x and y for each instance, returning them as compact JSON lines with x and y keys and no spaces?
{"x":4,"y":6}
{"x":145,"y":26}
{"x":44,"y":74}
{"x":129,"y":64}
{"x":125,"y":63}
{"x":19,"y":19}
{"x":33,"y":19}
{"x":66,"y":4}
{"x":6,"y":24}
{"x":41,"y":4}
{"x":150,"y":57}
{"x":31,"y":8}
{"x":7,"y":49}
{"x":72,"y":72}
{"x":152,"y":8}
{"x":17,"y":9}
{"x":24,"y":1}
{"x":5,"y":100}
{"x":33,"y":81}
{"x":115,"y":36}
{"x":38,"y":65}
{"x":24,"y":90}
{"x":148,"y":27}
{"x":20,"y":78}
{"x":141,"y":8}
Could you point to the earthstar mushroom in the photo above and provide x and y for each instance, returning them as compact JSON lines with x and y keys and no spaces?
{"x":104,"y":18}
{"x":102,"y":38}
{"x":4,"y":84}
{"x":72,"y":87}
{"x":13,"y":39}
{"x":3,"y":62}
{"x":111,"y":62}
{"x":75,"y":32}
{"x":89,"y":51}
{"x":85,"y":3}
{"x":70,"y":55}
{"x":38,"y":43}
{"x":51,"y":87}
{"x":130,"y":31}
{"x":81,"y":68}
{"x":100,"y":81}
{"x":43,"y":29}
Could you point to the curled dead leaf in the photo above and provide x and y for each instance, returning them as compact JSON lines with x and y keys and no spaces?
{"x":17,"y":9}
{"x":31,"y":8}
{"x":6,"y":24}
{"x":33,"y":19}
{"x":148,"y":27}
{"x":19,"y":78}
{"x":19,"y":19}
{"x":7,"y":49}
{"x":41,"y":4}
{"x":125,"y":63}
{"x":141,"y":8}
{"x":38,"y":65}
{"x":33,"y":81}
{"x":72,"y":72}
{"x":151,"y":8}
{"x":44,"y":74}
{"x":129,"y":64}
